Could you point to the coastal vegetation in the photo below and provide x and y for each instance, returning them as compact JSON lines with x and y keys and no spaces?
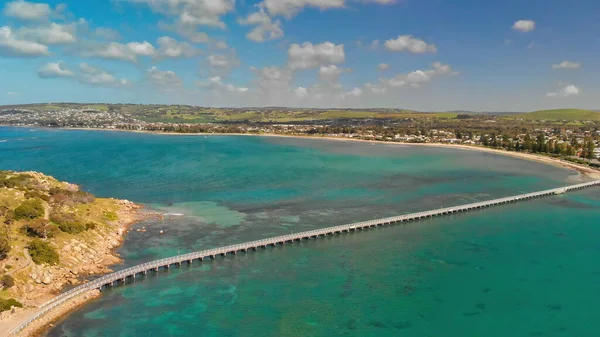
{"x":563,"y":114}
{"x":51,"y":233}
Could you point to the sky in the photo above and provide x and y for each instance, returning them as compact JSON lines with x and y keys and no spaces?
{"x":427,"y":55}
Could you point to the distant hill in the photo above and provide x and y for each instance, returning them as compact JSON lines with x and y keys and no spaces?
{"x":563,"y":114}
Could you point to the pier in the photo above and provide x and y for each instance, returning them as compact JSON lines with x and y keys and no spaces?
{"x":122,"y":275}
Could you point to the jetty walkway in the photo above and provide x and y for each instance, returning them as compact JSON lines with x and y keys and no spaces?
{"x":122,"y":275}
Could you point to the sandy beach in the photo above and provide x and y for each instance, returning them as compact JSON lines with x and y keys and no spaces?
{"x":586,"y":171}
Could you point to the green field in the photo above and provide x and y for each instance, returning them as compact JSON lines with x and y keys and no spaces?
{"x":562,"y":114}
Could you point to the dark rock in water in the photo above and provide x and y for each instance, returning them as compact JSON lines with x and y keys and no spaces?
{"x":470,"y":314}
{"x":377,"y":324}
{"x":402,"y":325}
{"x":351,"y":324}
{"x":481,"y":306}
{"x":486,"y":290}
{"x":555,"y":307}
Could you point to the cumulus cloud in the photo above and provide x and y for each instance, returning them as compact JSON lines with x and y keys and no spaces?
{"x":191,"y":13}
{"x":28,"y":11}
{"x":417,"y":77}
{"x":221,"y":45}
{"x":355,"y":92}
{"x":308,"y":56}
{"x":11,"y":45}
{"x":569,"y":90}
{"x":106,"y":34}
{"x":215,"y":83}
{"x":375,"y":88}
{"x":289,"y":8}
{"x":119,"y":51}
{"x":53,"y":33}
{"x":54,"y":70}
{"x":300,"y":91}
{"x":97,"y":76}
{"x":165,"y":80}
{"x":169,"y":47}
{"x":266,"y":28}
{"x":383,"y":66}
{"x":566,"y":65}
{"x":524,"y":25}
{"x":409,"y":43}
{"x":331,"y":73}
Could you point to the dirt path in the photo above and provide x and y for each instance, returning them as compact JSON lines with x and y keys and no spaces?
{"x":27,"y":263}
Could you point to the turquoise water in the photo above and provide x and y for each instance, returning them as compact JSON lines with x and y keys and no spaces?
{"x":522,"y":270}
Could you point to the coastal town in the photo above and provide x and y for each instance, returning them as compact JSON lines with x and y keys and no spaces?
{"x":574,"y":140}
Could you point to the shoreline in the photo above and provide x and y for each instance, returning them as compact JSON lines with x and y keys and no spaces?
{"x":584,"y":171}
{"x":129,"y":214}
{"x":132,"y":216}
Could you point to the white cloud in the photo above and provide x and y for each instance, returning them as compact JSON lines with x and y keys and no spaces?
{"x":118,"y":51}
{"x":54,"y":70}
{"x":221,"y":45}
{"x":192,"y":13}
{"x":142,"y":48}
{"x":375,"y":44}
{"x":165,"y":80}
{"x":376,"y":89}
{"x":383,"y":66}
{"x":411,"y":44}
{"x":12,"y":93}
{"x":569,"y":90}
{"x":289,"y":8}
{"x":524,"y":25}
{"x":215,"y":83}
{"x":52,"y":34}
{"x":107,"y":34}
{"x":24,"y":10}
{"x":169,"y":47}
{"x":222,"y":63}
{"x":301,"y":91}
{"x":11,"y":45}
{"x":567,"y":65}
{"x":417,"y":77}
{"x":352,"y":93}
{"x":331,"y":73}
{"x":266,"y":28}
{"x":307,"y":55}
{"x":97,"y":76}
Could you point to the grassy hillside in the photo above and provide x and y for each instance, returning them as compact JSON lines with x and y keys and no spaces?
{"x":49,"y":229}
{"x":563,"y":114}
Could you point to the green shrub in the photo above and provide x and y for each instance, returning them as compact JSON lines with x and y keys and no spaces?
{"x":72,"y":227}
{"x":29,"y":209}
{"x":7,"y":304}
{"x":111,"y":216}
{"x":67,"y":223}
{"x":60,"y":196}
{"x":4,"y":245}
{"x":90,"y":225}
{"x":42,"y":252}
{"x":17,"y":181}
{"x":37,"y":194}
{"x":8,"y":281}
{"x":40,"y":228}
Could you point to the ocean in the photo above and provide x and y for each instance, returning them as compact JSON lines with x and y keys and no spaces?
{"x":527,"y":269}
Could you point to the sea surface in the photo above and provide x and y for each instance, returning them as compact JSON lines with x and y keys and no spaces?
{"x":528,"y":269}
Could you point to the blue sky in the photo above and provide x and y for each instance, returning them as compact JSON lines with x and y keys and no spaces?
{"x":510,"y":55}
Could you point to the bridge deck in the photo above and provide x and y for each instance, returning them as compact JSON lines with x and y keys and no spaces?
{"x":122,"y":275}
